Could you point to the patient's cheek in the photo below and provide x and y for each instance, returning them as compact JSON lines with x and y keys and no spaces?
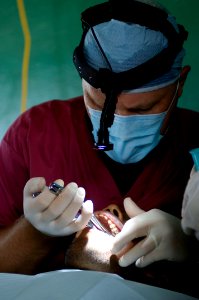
{"x":91,"y":250}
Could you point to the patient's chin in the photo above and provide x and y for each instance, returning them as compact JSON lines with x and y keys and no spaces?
{"x":91,"y":248}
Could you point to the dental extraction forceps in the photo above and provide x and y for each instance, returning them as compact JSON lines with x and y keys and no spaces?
{"x":97,"y":224}
{"x":56,"y":189}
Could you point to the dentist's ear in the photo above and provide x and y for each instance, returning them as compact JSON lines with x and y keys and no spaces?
{"x":183,"y":76}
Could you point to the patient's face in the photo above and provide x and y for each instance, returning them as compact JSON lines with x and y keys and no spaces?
{"x":91,"y":248}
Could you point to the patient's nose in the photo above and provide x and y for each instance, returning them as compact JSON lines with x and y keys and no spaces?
{"x":115,"y":210}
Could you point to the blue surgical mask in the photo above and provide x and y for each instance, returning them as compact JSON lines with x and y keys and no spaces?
{"x":133,"y":136}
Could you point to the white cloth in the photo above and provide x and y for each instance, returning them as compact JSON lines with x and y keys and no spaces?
{"x":76,"y":284}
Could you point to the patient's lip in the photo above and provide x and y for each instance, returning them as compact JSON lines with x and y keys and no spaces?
{"x":109,"y":221}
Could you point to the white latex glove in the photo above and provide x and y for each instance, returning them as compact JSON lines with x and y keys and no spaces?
{"x":163,"y":238}
{"x":55,"y":215}
{"x":190,"y":206}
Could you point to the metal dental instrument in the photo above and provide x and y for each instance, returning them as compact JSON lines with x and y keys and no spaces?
{"x":97,"y":224}
{"x":93,"y":222}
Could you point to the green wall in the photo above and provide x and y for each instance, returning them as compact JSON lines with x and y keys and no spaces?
{"x":55,"y":30}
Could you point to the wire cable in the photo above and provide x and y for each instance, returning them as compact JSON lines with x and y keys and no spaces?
{"x":26,"y":53}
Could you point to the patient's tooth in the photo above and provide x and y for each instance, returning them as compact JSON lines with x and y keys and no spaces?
{"x":108,"y":223}
{"x":115,"y":231}
{"x":112,"y":226}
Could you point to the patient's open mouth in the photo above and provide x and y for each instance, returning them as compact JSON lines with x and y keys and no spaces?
{"x":109,"y":221}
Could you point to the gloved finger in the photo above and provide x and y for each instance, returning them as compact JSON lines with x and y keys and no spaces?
{"x":77,"y":224}
{"x":131,"y":208}
{"x":148,"y":259}
{"x":132,"y":229}
{"x":187,"y":230}
{"x":86,"y":213}
{"x":60,"y":203}
{"x":186,"y":227}
{"x":141,"y":249}
{"x":152,"y":254}
{"x":158,"y":253}
{"x":44,"y":199}
{"x":72,"y":209}
{"x":34,"y":185}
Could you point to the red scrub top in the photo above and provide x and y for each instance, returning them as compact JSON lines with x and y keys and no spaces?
{"x":54,"y":140}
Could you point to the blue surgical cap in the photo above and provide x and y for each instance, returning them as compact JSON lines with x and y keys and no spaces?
{"x":127,"y":45}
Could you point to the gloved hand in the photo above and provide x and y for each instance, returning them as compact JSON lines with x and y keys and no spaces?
{"x":55,"y":215}
{"x":161,"y":233}
{"x":190,"y":205}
